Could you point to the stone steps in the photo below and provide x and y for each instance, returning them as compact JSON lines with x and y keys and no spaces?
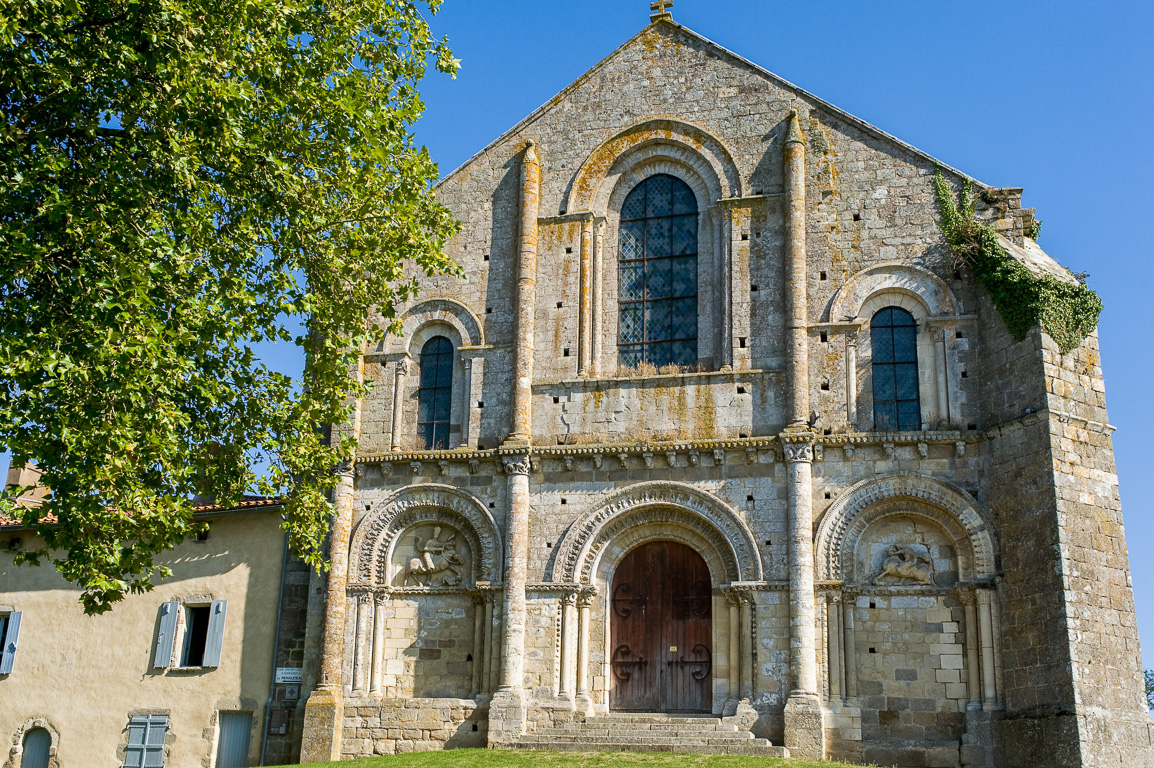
{"x":630,"y":732}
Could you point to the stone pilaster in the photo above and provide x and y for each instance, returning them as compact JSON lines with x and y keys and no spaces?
{"x":324,"y":710}
{"x":804,"y":726}
{"x":507,"y":714}
{"x":400,"y":373}
{"x":522,"y":426}
{"x":797,"y":321}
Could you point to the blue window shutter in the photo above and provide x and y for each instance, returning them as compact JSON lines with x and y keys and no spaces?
{"x":215,"y":640}
{"x":164,"y":638}
{"x":146,"y":741}
{"x":8,"y":658}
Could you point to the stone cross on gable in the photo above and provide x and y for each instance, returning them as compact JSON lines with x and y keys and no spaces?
{"x":660,"y":9}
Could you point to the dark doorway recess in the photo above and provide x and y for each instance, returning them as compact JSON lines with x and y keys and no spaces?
{"x":661,"y":629}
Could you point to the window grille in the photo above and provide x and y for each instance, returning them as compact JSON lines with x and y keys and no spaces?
{"x":435,"y":393}
{"x":657,"y":274}
{"x":894,"y":346}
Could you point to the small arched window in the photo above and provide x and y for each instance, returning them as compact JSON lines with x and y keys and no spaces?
{"x":435,"y":393}
{"x":894,"y":345}
{"x":37,"y":742}
{"x":657,"y":277}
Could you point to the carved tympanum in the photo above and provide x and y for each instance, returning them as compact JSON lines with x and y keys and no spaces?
{"x":906,"y":564}
{"x":432,"y":556}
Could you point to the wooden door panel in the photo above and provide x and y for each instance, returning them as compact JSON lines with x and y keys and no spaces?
{"x":661,"y":631}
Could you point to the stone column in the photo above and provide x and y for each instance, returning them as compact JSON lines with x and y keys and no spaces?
{"x":598,"y":283}
{"x":490,"y":653}
{"x":746,"y":647}
{"x":565,"y":679}
{"x":849,"y":601}
{"x":378,"y":670}
{"x":851,"y":379}
{"x":324,"y":710}
{"x":940,"y":376}
{"x":584,"y":603}
{"x":804,"y":729}
{"x":363,"y":641}
{"x":465,"y":409}
{"x":585,"y":340}
{"x":836,"y":660}
{"x":734,"y":603}
{"x":478,"y":645}
{"x":986,"y":639}
{"x":797,"y":320}
{"x":522,"y":426}
{"x":972,"y":681}
{"x":402,"y":370}
{"x":725,"y":287}
{"x":507,"y":712}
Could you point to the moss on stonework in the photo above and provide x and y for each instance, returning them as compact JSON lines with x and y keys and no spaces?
{"x":1068,"y":312}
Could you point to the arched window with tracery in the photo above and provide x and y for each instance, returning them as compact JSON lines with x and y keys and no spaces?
{"x":435,"y":393}
{"x":894,"y":347}
{"x":657,"y":274}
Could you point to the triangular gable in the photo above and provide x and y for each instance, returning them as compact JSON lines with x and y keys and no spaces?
{"x":734,"y":58}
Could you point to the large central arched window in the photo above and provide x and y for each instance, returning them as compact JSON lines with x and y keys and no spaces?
{"x":435,"y":393}
{"x":894,"y":347}
{"x":657,"y":285}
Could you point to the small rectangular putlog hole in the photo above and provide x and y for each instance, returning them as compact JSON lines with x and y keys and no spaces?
{"x":749,"y":497}
{"x":488,"y":310}
{"x":857,"y":217}
{"x":741,"y":341}
{"x":744,"y":235}
{"x":825,"y":386}
{"x":824,"y":337}
{"x":959,"y":335}
{"x":556,"y":399}
{"x":480,"y":403}
{"x":565,"y":352}
{"x":560,"y":304}
{"x":568,"y":250}
{"x":827,"y":494}
{"x":741,"y":390}
{"x":486,"y":257}
{"x":753,"y":289}
{"x":821,"y":275}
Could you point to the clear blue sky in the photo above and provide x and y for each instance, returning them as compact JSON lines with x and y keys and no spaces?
{"x":1056,"y":97}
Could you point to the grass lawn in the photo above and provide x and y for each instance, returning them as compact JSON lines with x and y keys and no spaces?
{"x":487,"y":758}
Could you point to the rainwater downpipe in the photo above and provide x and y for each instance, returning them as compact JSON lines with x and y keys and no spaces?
{"x":275,"y":650}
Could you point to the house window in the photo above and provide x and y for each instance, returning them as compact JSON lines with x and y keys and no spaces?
{"x":9,"y":635}
{"x":146,"y":741}
{"x":435,"y":395}
{"x":196,"y":630}
{"x":894,"y":346}
{"x":35,"y":747}
{"x":195,"y":635}
{"x":657,"y":274}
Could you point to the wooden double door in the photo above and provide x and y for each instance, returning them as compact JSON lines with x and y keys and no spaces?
{"x":661,"y":631}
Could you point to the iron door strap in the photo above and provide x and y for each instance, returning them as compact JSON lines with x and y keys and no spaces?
{"x":703,"y":665}
{"x":623,"y":665}
{"x":699,"y":601}
{"x":622,"y":604}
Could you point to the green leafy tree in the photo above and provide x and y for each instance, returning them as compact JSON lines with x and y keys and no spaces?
{"x":179,"y":181}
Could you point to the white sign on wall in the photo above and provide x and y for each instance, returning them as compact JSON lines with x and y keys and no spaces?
{"x":289,"y":675}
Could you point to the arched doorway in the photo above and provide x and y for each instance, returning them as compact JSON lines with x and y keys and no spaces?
{"x":661,"y":631}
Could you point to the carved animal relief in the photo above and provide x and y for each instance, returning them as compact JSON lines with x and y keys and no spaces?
{"x":906,"y":564}
{"x":432,"y":556}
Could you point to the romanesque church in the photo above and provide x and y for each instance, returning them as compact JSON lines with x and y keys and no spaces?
{"x":716,"y":449}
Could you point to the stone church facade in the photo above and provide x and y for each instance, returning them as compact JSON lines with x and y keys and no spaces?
{"x":714,"y":426}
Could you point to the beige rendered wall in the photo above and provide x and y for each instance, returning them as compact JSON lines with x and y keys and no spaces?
{"x":86,"y":674}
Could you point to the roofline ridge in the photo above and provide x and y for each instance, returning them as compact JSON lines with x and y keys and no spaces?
{"x":781,"y":81}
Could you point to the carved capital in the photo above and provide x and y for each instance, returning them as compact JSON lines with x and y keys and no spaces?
{"x":569,"y":598}
{"x":517,"y":465}
{"x":585,"y":597}
{"x":851,"y":337}
{"x":402,"y":367}
{"x":797,"y":448}
{"x":344,"y":467}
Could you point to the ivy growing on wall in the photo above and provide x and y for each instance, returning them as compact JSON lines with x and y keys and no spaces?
{"x":1067,"y":311}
